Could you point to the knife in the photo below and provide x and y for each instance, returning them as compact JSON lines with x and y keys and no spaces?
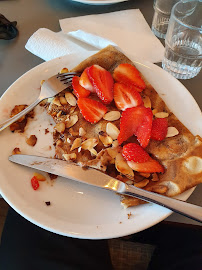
{"x":96,"y":178}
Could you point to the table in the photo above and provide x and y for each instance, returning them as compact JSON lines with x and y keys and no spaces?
{"x":31,"y":15}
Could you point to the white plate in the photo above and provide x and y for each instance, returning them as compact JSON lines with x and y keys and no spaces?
{"x":99,"y":2}
{"x":78,"y":210}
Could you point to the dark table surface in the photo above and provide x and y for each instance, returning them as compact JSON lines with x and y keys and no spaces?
{"x":31,"y":15}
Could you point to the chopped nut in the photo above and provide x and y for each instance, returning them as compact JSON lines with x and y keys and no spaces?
{"x":64,"y":70}
{"x":60,"y":127}
{"x":68,"y":157}
{"x":161,"y":114}
{"x":147,"y":101}
{"x":105,"y":139}
{"x":56,"y":101}
{"x":39,"y":176}
{"x":58,"y":143}
{"x":16,"y":151}
{"x":42,"y":82}
{"x":31,"y":140}
{"x":73,"y":132}
{"x":172,"y":131}
{"x":70,"y":98}
{"x":63,"y":100}
{"x":76,"y":144}
{"x":112,"y":116}
{"x":82,"y":132}
{"x":155,"y":177}
{"x":122,"y":166}
{"x":142,"y":183}
{"x":112,"y":131}
{"x":69,"y":122}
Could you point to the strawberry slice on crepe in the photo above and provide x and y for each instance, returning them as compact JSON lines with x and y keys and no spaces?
{"x":102,"y":82}
{"x":135,"y":152}
{"x":85,"y":81}
{"x":126,"y":97}
{"x":78,"y":89}
{"x":150,"y":166}
{"x":136,"y":121}
{"x":91,"y":110}
{"x":128,"y":74}
{"x":159,"y":129}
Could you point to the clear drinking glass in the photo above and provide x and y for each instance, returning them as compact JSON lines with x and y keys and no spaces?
{"x":183,"y":51}
{"x":162,"y":11}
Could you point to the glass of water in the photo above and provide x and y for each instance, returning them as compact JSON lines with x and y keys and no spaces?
{"x":162,"y":11}
{"x":183,"y":51}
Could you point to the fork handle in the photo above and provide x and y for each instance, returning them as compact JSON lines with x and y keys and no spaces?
{"x":20,"y":114}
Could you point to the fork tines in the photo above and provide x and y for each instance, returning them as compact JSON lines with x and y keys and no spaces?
{"x":67,"y":77}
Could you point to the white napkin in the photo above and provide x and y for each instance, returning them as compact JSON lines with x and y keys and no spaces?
{"x":127,"y":29}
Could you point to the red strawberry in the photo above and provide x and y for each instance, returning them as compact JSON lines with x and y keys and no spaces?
{"x":78,"y":89}
{"x":137,"y":121}
{"x":159,"y":129}
{"x":126,"y":97}
{"x":150,"y":166}
{"x":103,"y":83}
{"x":91,"y":110}
{"x":128,"y":74}
{"x":35,"y":183}
{"x":85,"y":81}
{"x":134,"y":152}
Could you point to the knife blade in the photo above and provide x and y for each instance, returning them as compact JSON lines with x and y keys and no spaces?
{"x":99,"y":179}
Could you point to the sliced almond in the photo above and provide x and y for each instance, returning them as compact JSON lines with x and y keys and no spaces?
{"x":93,"y":152}
{"x":112,"y":152}
{"x":89,"y":143}
{"x":112,"y":116}
{"x":147,"y":101}
{"x":73,"y":133}
{"x":69,"y":122}
{"x":68,"y":157}
{"x":105,"y":139}
{"x":129,"y":182}
{"x":142,"y":183}
{"x":154,"y":111}
{"x":63,"y":100}
{"x":72,"y":109}
{"x":112,"y":131}
{"x":82,"y":132}
{"x":64,"y":70}
{"x":76,"y":144}
{"x":115,"y":143}
{"x":59,"y":114}
{"x":70,"y":98}
{"x":146,"y":175}
{"x":56,"y":101}
{"x":50,"y":100}
{"x":60,"y":127}
{"x":68,"y":140}
{"x":161,"y":189}
{"x":172,"y":131}
{"x":155,"y":177}
{"x":161,"y":114}
{"x":122,"y":166}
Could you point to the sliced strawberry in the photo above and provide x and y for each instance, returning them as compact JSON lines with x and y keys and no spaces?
{"x":103,"y":83}
{"x":159,"y":129}
{"x":137,"y":121}
{"x":91,"y":110}
{"x":128,"y":74}
{"x":126,"y":97}
{"x":150,"y":166}
{"x":34,"y":183}
{"x":78,"y":89}
{"x":134,"y":152}
{"x":85,"y":81}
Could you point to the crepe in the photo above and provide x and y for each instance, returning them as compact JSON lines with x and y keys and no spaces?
{"x":181,"y":155}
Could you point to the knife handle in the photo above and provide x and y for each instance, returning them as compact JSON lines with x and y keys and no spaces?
{"x":186,"y":209}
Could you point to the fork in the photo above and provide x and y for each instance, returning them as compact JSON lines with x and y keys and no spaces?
{"x":49,"y":88}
